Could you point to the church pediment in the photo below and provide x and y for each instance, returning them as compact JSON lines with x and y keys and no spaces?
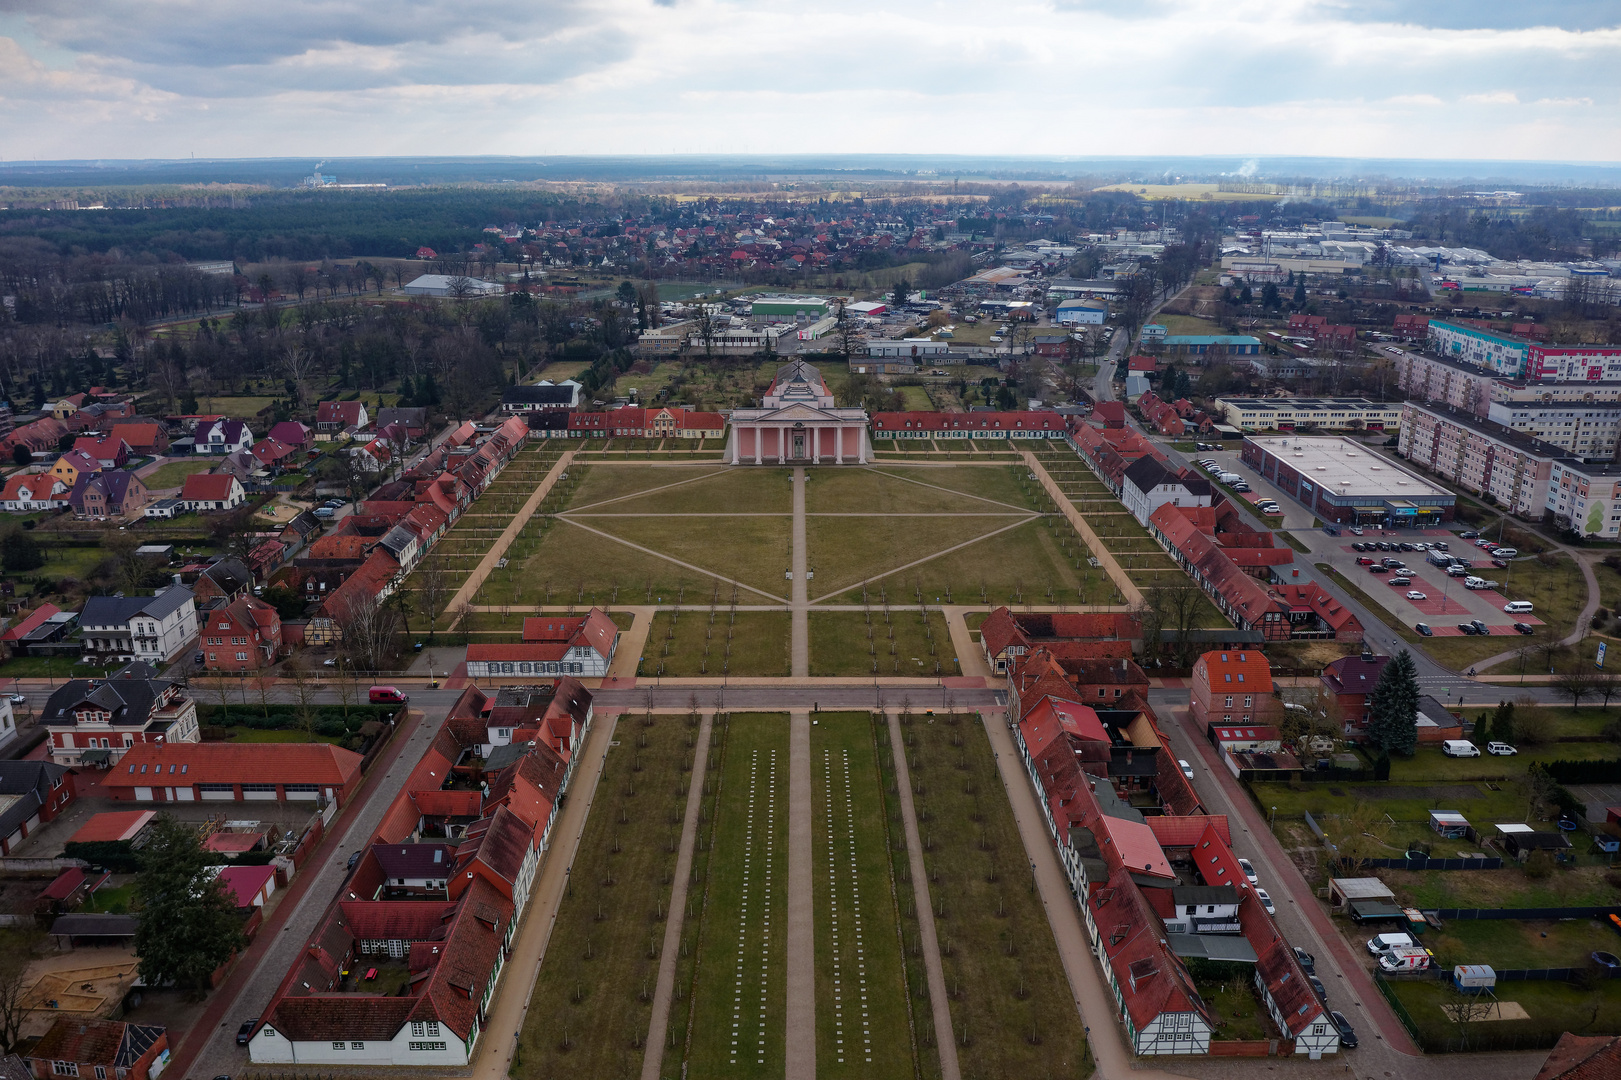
{"x":794,"y":414}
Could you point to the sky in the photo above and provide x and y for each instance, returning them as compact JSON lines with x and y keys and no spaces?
{"x":1460,"y":79}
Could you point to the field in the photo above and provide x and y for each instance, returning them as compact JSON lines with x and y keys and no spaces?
{"x":716,"y":642}
{"x":740,"y":961}
{"x":860,"y":976}
{"x":1011,"y":1009}
{"x":1211,"y":192}
{"x":1552,"y":1008}
{"x":898,"y":645}
{"x":591,"y":1001}
{"x":173,"y":474}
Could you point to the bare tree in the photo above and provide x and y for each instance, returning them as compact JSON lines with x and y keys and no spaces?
{"x":1577,"y":683}
{"x":14,"y":960}
{"x":369,"y":627}
{"x":299,"y":365}
{"x":433,"y":586}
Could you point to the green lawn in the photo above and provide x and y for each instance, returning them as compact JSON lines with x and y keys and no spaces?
{"x":1011,"y":1009}
{"x":1579,"y":886}
{"x":256,"y":735}
{"x":1023,"y":561}
{"x":724,"y":490}
{"x":876,"y":489}
{"x":750,"y":550}
{"x":844,"y":551}
{"x":576,"y":564}
{"x":755,"y":644}
{"x":861,"y":1011}
{"x":1509,"y":943}
{"x":686,"y":966}
{"x":738,"y":992}
{"x":590,"y":1010}
{"x":1553,"y":1008}
{"x":593,"y":484}
{"x":52,"y":667}
{"x":173,"y":474}
{"x":839,"y":644}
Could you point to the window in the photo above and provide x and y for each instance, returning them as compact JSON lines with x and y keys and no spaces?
{"x":416,"y":1029}
{"x":427,"y":1046}
{"x":1319,"y":1029}
{"x":1229,"y":701}
{"x":433,"y":1027}
{"x":357,"y":1046}
{"x":65,"y":1068}
{"x":337,"y":1046}
{"x":101,"y":1072}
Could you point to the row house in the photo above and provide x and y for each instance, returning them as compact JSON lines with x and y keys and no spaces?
{"x":97,"y":721}
{"x":1034,"y":424}
{"x":1007,"y":636}
{"x":1149,"y":484}
{"x":222,"y":772}
{"x":30,"y":492}
{"x":662,"y":422}
{"x":148,"y":438}
{"x":109,"y":451}
{"x":552,"y":645}
{"x":32,"y":794}
{"x":484,"y":814}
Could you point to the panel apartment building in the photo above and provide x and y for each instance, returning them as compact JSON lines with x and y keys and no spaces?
{"x":1481,"y":456}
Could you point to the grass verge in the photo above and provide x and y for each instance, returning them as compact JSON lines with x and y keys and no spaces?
{"x":716,"y":641}
{"x":899,"y":645}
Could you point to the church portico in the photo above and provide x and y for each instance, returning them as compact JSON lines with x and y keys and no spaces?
{"x":798,"y":424}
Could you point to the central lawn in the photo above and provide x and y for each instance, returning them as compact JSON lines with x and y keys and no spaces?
{"x":972,"y":489}
{"x":738,"y":992}
{"x":846,"y":550}
{"x":839,"y":644}
{"x":1011,"y":1009}
{"x":600,"y":483}
{"x":173,"y":474}
{"x":734,"y":490}
{"x":756,"y":643}
{"x":591,"y":1003}
{"x":856,"y":907}
{"x":752,"y":550}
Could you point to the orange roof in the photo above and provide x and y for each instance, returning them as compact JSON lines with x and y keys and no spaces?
{"x":225,"y":763}
{"x":208,"y":487}
{"x":1228,"y":668}
{"x":117,"y":825}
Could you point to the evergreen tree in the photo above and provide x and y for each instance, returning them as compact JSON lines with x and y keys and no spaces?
{"x":19,"y":551}
{"x":188,"y":925}
{"x":1393,"y":707}
{"x":1503,"y":723}
{"x":1300,"y":295}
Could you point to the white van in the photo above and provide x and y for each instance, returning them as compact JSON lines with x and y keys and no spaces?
{"x":1413,"y":959}
{"x":1459,"y":748}
{"x":1229,"y":477}
{"x":1505,"y":553}
{"x":1382,"y":944}
{"x":1473,"y":582}
{"x":1518,"y":607}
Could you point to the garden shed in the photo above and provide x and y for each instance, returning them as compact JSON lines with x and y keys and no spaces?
{"x":1449,"y":823}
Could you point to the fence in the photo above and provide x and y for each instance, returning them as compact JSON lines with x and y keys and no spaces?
{"x":1472,"y":1036}
{"x":1549,"y":913}
{"x":1425,"y":863}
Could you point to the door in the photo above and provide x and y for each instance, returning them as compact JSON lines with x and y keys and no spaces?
{"x":143,"y":794}
{"x":799,"y":446}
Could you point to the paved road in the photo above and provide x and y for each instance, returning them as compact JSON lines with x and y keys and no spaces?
{"x":800,"y":1036}
{"x":799,"y":618}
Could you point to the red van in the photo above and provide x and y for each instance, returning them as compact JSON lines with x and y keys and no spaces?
{"x":387,"y":695}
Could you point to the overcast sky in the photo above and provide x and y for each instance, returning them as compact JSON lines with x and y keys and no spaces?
{"x":1386,"y":78}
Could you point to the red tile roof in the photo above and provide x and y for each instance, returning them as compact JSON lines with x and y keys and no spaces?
{"x":115,"y":825}
{"x":34,"y":619}
{"x":208,"y":487}
{"x":226,"y":763}
{"x":243,"y":883}
{"x":1179,"y":830}
{"x":1582,"y":1057}
{"x":1247,"y":670}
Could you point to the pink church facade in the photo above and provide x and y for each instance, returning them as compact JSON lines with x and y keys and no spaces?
{"x":798,"y":424}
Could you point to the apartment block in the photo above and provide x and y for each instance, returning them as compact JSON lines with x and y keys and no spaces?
{"x":1480,"y":456}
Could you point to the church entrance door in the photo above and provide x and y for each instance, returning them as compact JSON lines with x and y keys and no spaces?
{"x":799,"y":446}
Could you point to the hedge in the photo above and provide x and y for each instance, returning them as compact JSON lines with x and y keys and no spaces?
{"x":115,"y":855}
{"x":1583,"y":772}
{"x":329,"y":720}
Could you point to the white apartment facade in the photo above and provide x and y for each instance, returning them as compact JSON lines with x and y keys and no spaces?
{"x":1480,"y":456}
{"x":1586,"y":430}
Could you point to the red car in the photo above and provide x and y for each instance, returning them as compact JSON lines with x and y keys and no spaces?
{"x":1363,"y":560}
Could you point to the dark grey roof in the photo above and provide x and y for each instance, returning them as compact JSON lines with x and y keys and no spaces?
{"x":31,"y":782}
{"x":13,"y":1067}
{"x":502,"y":756}
{"x":1146,"y":473}
{"x":138,"y":1039}
{"x":305,"y":524}
{"x":80,"y":924}
{"x":1205,"y":894}
{"x":1233,"y":947}
{"x":399,"y":538}
{"x":414,"y":860}
{"x":538,"y":395}
{"x":407,"y":415}
{"x":128,"y":700}
{"x":231,"y":575}
{"x":118,"y":610}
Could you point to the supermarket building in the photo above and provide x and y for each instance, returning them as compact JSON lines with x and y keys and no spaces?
{"x":1343,"y":481}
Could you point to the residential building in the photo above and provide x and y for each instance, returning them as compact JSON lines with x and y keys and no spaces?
{"x":226,"y":772}
{"x":1585,"y":430}
{"x":1586,"y":497}
{"x":1287,"y":414}
{"x":99,"y":496}
{"x":333,"y":417}
{"x":660,"y":422}
{"x":222,"y":437}
{"x":244,"y":635}
{"x":222,"y":580}
{"x":272,"y":453}
{"x":533,"y":397}
{"x":1033,"y":424}
{"x":1007,"y":636}
{"x":1349,"y":680}
{"x":97,"y":721}
{"x":144,"y":437}
{"x":300,"y":437}
{"x":154,"y":629}
{"x":1233,"y":686}
{"x":1149,"y":485}
{"x":32,"y":793}
{"x":1345,"y":482}
{"x":552,"y":645}
{"x":104,"y":1049}
{"x":109,"y":451}
{"x":29,"y":492}
{"x":73,"y":464}
{"x":212,"y":491}
{"x":1583,"y":1057}
{"x":1481,"y":457}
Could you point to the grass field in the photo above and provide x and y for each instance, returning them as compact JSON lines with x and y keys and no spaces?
{"x":756,"y":644}
{"x":1553,"y":1007}
{"x":579,"y":567}
{"x":974,"y":489}
{"x":1011,"y":1009}
{"x":724,"y":490}
{"x":1509,"y":943}
{"x":173,"y":474}
{"x":862,"y":1026}
{"x":839,"y":644}
{"x":738,"y":992}
{"x":591,"y":1001}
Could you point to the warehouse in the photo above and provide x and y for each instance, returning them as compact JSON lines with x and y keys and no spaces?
{"x":1343,"y":481}
{"x":224,"y":772}
{"x":450,"y":285}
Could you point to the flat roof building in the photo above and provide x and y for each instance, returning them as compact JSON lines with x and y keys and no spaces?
{"x":1344,"y":481}
{"x":1288,"y":413}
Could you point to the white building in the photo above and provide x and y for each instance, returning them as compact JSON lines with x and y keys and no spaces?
{"x":151,"y":628}
{"x":450,"y":285}
{"x":1149,"y":485}
{"x":1587,"y":430}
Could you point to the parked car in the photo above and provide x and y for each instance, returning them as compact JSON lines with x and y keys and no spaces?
{"x":1249,"y":871}
{"x":1380,"y":944}
{"x":1356,"y":530}
{"x":1466,"y":629}
{"x":386,"y":695}
{"x":1459,"y":748}
{"x":1187,"y":770}
{"x":1308,"y":962}
{"x":245,"y":1030}
{"x":19,"y":699}
{"x":1266,"y":901}
{"x":1424,"y":629}
{"x":1347,"y":1032}
{"x":1364,"y":561}
{"x":1501,"y":564}
{"x":1359,"y":546}
{"x":1525,"y":628}
{"x":1501,"y":749}
{"x":1410,"y":959}
{"x":1506,"y":553}
{"x":1439,"y":545}
{"x":1401,"y":579}
{"x":1414,"y":594}
{"x":1467,"y":535}
{"x":1406,"y":546}
{"x":1319,"y":989}
{"x":1378,"y":569}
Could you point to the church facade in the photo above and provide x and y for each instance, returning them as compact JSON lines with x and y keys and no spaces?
{"x":798,"y":424}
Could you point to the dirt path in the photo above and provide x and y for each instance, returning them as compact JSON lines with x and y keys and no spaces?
{"x":498,"y":551}
{"x":800,"y":1041}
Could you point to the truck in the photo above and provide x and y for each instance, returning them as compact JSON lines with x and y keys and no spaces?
{"x":1473,"y":978}
{"x":1409,"y":959}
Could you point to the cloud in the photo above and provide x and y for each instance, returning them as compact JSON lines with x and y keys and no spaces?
{"x":1247,"y":78}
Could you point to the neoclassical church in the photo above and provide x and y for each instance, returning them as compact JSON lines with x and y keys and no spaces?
{"x":798,"y":424}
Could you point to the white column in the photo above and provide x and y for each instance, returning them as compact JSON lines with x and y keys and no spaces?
{"x":815,"y":431}
{"x":838,"y":445}
{"x":759,"y":437}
